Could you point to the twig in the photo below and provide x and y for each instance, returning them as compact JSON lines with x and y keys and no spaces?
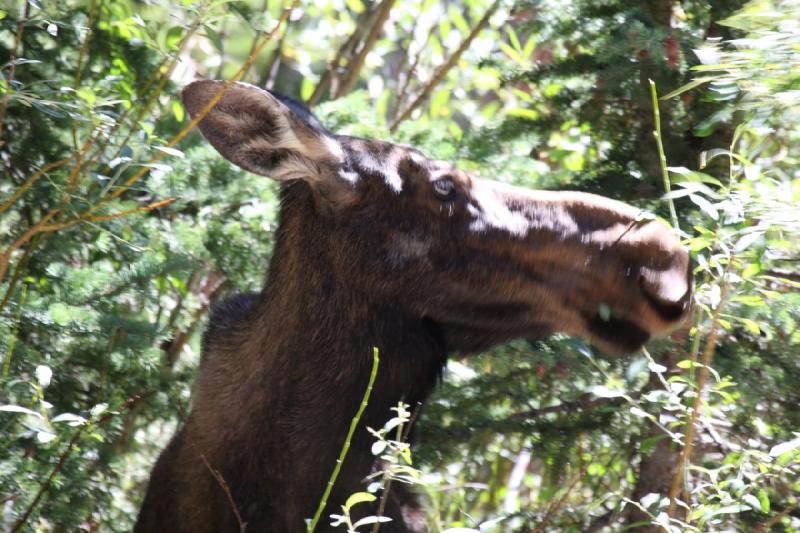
{"x":355,"y":65}
{"x":702,"y":376}
{"x":31,"y":180}
{"x":227,"y":490}
{"x":346,"y":446}
{"x":662,"y":158}
{"x":345,"y":50}
{"x":555,"y":507}
{"x":444,"y":68}
{"x":13,"y":68}
{"x":387,"y":486}
{"x":65,"y":455}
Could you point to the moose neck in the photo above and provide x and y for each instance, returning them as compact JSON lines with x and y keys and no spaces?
{"x":315,"y":327}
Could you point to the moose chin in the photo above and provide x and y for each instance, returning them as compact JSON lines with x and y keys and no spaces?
{"x":380,"y":246}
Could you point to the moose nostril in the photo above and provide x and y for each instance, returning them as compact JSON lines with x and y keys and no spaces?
{"x":667,"y":292}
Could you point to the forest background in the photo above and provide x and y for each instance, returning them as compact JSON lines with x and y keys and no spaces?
{"x":118,"y":231}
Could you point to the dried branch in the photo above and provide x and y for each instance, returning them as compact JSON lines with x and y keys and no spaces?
{"x":227,"y":490}
{"x":357,"y":63}
{"x":13,"y":69}
{"x":444,"y":68}
{"x":73,"y":441}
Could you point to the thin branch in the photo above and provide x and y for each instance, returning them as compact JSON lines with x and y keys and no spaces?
{"x":387,"y":485}
{"x":346,"y":446}
{"x":13,"y":68}
{"x":31,"y":180}
{"x":702,"y":376}
{"x":662,"y":158}
{"x":73,"y":441}
{"x":357,"y":63}
{"x":552,"y":509}
{"x":227,"y":490}
{"x":346,"y":50}
{"x":444,"y":68}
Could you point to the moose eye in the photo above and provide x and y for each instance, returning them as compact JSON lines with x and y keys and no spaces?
{"x":444,"y":188}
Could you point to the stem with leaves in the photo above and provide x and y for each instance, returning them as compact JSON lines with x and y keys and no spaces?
{"x":346,"y":446}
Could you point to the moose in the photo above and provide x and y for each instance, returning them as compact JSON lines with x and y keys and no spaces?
{"x":380,"y":246}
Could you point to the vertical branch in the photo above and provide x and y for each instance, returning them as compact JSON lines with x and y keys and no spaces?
{"x":444,"y":68}
{"x":702,"y":377}
{"x":346,"y":446}
{"x":357,"y":63}
{"x":662,"y":158}
{"x":13,"y":68}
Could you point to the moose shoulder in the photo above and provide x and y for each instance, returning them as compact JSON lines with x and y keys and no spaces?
{"x":378,"y":245}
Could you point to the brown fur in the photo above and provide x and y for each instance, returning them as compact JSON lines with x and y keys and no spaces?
{"x":368,"y":255}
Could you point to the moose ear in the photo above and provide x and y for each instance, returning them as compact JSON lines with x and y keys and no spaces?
{"x":256,"y":130}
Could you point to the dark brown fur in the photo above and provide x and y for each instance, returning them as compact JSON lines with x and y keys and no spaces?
{"x":360,"y":263}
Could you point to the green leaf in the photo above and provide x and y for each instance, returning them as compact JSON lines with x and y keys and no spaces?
{"x":763,"y":499}
{"x":174,"y":37}
{"x":358,"y":497}
{"x":688,"y":87}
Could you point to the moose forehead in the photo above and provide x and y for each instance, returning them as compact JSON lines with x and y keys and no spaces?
{"x":388,"y":162}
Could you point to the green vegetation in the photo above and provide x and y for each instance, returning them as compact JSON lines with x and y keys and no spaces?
{"x":117,"y":231}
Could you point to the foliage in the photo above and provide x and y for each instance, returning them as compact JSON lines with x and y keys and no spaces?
{"x":114,"y":241}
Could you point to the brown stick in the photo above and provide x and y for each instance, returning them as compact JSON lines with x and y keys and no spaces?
{"x":227,"y":490}
{"x":702,"y":376}
{"x":354,"y":67}
{"x":63,"y":459}
{"x":13,"y":69}
{"x":444,"y":68}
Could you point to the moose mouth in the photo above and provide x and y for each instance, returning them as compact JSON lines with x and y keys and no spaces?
{"x":618,"y":333}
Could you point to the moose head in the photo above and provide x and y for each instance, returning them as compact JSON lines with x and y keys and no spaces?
{"x":379,"y":245}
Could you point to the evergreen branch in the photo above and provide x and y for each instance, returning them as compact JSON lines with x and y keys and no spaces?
{"x":444,"y":68}
{"x":346,"y":446}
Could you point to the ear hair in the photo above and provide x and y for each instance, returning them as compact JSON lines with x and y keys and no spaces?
{"x":256,"y":130}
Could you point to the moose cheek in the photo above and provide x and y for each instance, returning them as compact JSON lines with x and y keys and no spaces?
{"x":406,"y":249}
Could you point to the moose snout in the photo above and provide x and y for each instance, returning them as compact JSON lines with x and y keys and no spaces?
{"x":668,"y":292}
{"x":667,"y":286}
